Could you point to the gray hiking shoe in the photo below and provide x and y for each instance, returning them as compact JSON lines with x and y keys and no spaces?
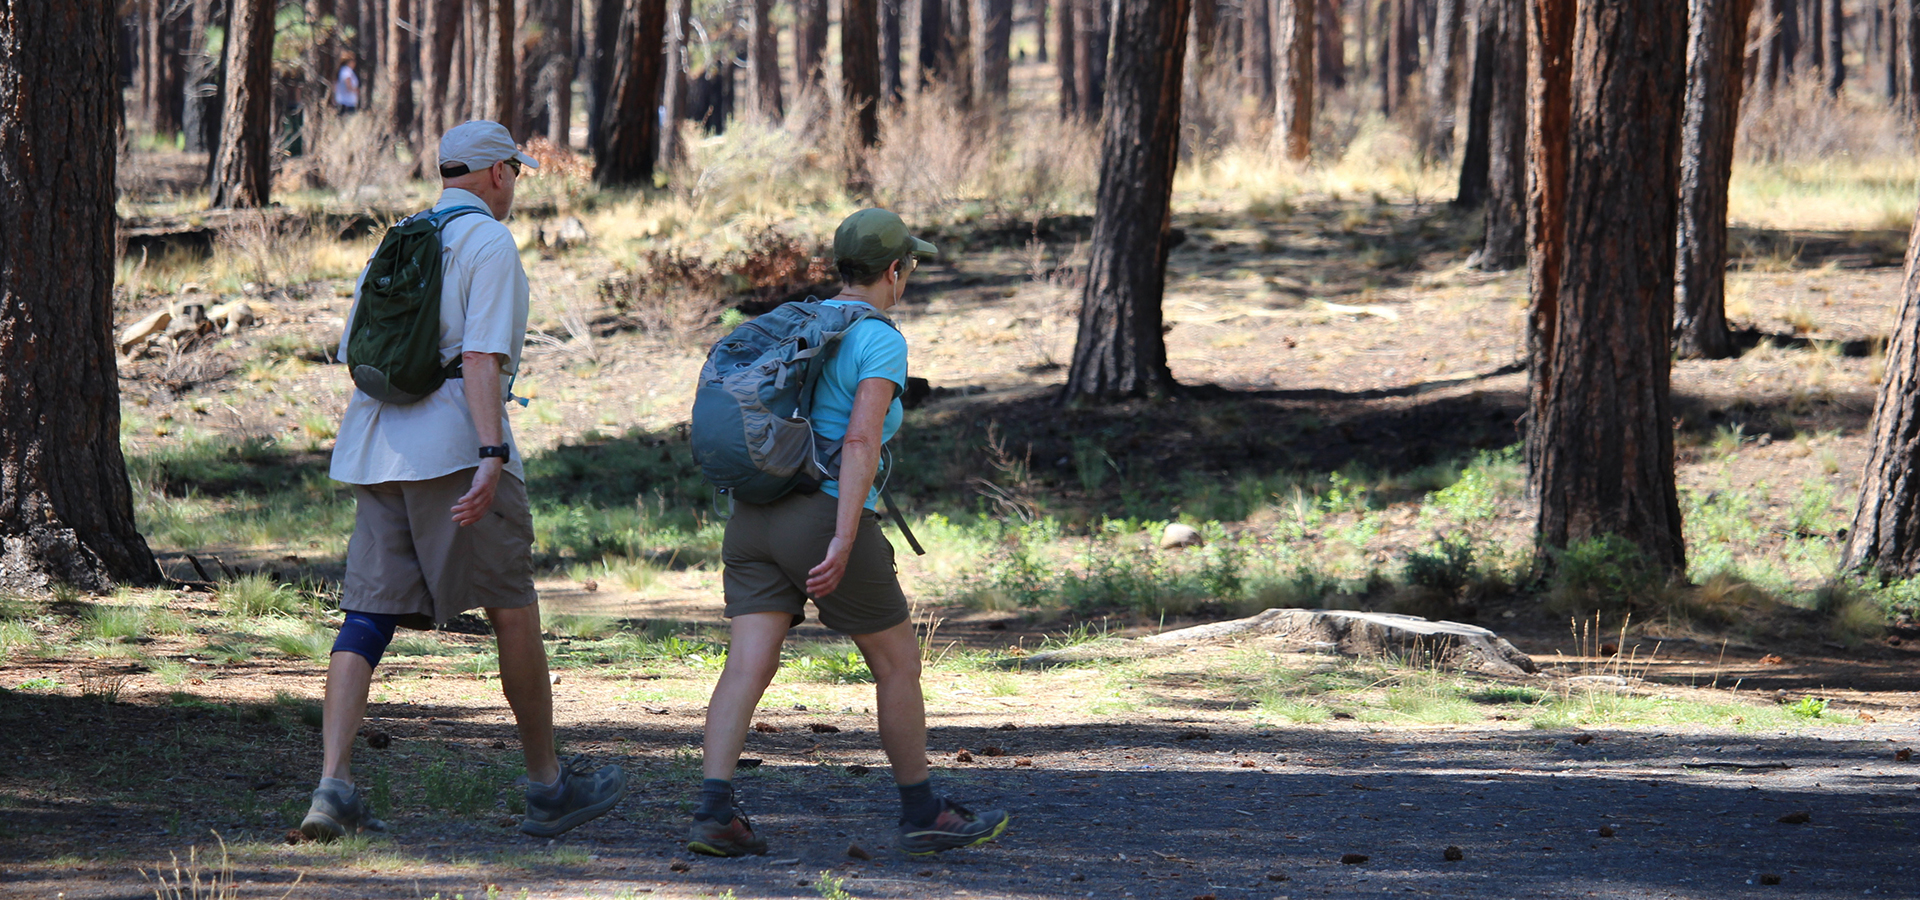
{"x":333,"y":814}
{"x":584,"y":795}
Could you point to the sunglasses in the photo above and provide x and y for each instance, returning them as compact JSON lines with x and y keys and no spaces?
{"x":514,"y":163}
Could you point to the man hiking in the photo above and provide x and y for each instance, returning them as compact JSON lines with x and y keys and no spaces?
{"x":441,"y":523}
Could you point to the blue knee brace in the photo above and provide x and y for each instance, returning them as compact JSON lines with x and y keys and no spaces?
{"x":367,"y":634}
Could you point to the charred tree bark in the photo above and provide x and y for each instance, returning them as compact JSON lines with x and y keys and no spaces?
{"x":200,"y":106}
{"x":1293,"y":40}
{"x":398,"y":75}
{"x":243,"y":170}
{"x":1550,"y":31}
{"x":891,"y":82}
{"x":934,"y":52}
{"x":603,"y":52}
{"x":502,"y":104}
{"x":959,"y":45}
{"x":1606,"y":463}
{"x":1332,"y":51}
{"x":675,"y":102}
{"x":1716,"y":50}
{"x":1907,"y":30}
{"x":1093,"y":31}
{"x":561,"y":68}
{"x":632,"y":129}
{"x":1206,"y":32}
{"x":66,"y":510}
{"x":763,"y":63}
{"x":1506,"y":240}
{"x":440,"y":24}
{"x":1885,"y":534}
{"x":1474,"y":162}
{"x":860,"y":66}
{"x":1120,"y":351}
{"x":1443,"y":75}
{"x":1835,"y":16}
{"x":1256,"y":55}
{"x":993,"y":36}
{"x":1067,"y":62}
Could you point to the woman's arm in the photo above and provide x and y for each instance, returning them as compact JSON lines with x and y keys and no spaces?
{"x":859,"y":462}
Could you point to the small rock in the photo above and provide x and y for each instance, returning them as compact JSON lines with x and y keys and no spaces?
{"x":1605,"y":831}
{"x":1342,"y":715}
{"x":506,"y":821}
{"x":1583,"y":739}
{"x":1353,"y":859}
{"x":1178,"y":535}
{"x":1022,"y":761}
{"x":764,"y":728}
{"x":994,"y":751}
{"x":1249,"y":764}
{"x":1076,"y":876}
{"x":499,"y":745}
{"x":858,"y":852}
{"x":679,"y":865}
{"x":568,"y":232}
{"x":379,"y":740}
{"x":1797,"y":817}
{"x":963,"y":755}
{"x":1769,"y":878}
{"x":1008,"y":726}
{"x":823,"y":728}
{"x":553,"y":677}
{"x":925,"y":873}
{"x":1904,"y":754}
{"x":589,"y":585}
{"x":1279,"y":876}
{"x":137,"y":334}
{"x":1453,"y":854}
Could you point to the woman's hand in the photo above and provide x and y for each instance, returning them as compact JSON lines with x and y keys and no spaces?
{"x":824,"y":578}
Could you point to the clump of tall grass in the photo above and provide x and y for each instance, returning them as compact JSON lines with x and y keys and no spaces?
{"x":254,"y":596}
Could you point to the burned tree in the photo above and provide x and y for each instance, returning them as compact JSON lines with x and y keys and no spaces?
{"x":243,"y":168}
{"x":1885,"y":535}
{"x":1120,"y":351}
{"x":1506,"y":240}
{"x":1716,"y":50}
{"x":631,"y":130}
{"x":66,"y":510}
{"x":1293,"y":40}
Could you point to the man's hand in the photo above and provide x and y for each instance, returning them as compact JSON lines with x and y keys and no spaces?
{"x":479,"y":498}
{"x":824,"y":578}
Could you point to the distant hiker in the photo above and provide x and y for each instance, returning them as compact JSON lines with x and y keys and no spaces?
{"x":346,"y":88}
{"x":442,"y":524}
{"x":823,"y":540}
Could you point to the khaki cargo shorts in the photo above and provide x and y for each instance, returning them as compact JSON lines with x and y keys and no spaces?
{"x":770,"y":548}
{"x":407,"y":558}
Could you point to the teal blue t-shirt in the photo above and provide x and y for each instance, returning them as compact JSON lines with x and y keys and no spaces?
{"x":870,"y":349}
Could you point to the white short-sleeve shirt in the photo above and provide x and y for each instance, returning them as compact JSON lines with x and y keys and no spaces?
{"x":483,"y":309}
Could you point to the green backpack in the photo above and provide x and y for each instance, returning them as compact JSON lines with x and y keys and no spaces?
{"x":393,"y":347}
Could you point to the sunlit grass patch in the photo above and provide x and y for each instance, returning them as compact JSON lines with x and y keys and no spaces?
{"x":254,"y":596}
{"x":18,"y":638}
{"x":586,"y":626}
{"x":826,"y":662}
{"x":302,"y":640}
{"x":416,"y":643}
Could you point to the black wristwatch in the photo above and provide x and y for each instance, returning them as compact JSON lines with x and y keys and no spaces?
{"x":500,"y":451}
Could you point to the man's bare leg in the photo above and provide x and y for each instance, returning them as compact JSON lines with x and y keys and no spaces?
{"x":344,"y":710}
{"x":523,"y":678}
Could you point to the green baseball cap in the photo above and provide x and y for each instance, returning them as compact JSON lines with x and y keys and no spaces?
{"x":869,"y":241}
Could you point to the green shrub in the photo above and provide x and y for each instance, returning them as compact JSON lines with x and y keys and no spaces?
{"x":1607,"y":573}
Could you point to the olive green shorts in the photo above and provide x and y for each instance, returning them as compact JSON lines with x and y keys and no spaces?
{"x":769,"y":549}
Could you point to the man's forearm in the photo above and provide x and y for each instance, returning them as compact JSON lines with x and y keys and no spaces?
{"x":481,"y":371}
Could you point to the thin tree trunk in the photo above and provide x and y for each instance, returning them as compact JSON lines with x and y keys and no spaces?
{"x":66,"y":510}
{"x":675,"y":103}
{"x":934,"y":52}
{"x":763,"y":63}
{"x":1474,"y":159}
{"x":1293,"y":40}
{"x":440,"y":24}
{"x":1716,"y":48}
{"x":1836,"y":20}
{"x":606,"y":50}
{"x":200,"y":107}
{"x":993,"y":35}
{"x":632,"y":131}
{"x":1068,"y":62}
{"x":243,"y":172}
{"x":1549,"y":52}
{"x":1893,"y":44}
{"x":1606,"y":465}
{"x":1909,"y":31}
{"x":1506,"y":239}
{"x":1443,"y":75}
{"x":502,"y":104}
{"x":1257,"y":57}
{"x":959,"y":42}
{"x":1120,"y":351}
{"x":891,"y":82}
{"x":1332,"y":51}
{"x":560,"y":93}
{"x":398,"y":75}
{"x":1040,"y":26}
{"x":1885,"y":534}
{"x":860,"y":66}
{"x":1093,"y":30}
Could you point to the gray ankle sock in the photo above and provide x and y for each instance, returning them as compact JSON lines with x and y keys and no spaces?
{"x":337,"y":785}
{"x":545,"y":791}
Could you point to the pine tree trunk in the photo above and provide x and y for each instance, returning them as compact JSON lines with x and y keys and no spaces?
{"x":1067,"y":62}
{"x":200,"y":109}
{"x":398,"y":74}
{"x":1257,"y":57}
{"x":891,"y":83}
{"x":1443,"y":75}
{"x":560,"y":92}
{"x":934,"y":52}
{"x":860,"y":66}
{"x":1909,"y":43}
{"x":1836,"y":20}
{"x":1550,"y":35}
{"x":1040,"y":26}
{"x":243,"y":171}
{"x":600,"y":62}
{"x":1606,"y":464}
{"x":1885,"y":534}
{"x":66,"y":510}
{"x":1396,"y":30}
{"x":1506,"y":239}
{"x":1120,"y":351}
{"x":1093,"y":30}
{"x":675,"y":102}
{"x":441,"y":25}
{"x":503,"y":105}
{"x":1716,"y":48}
{"x":993,"y":35}
{"x":632,"y":130}
{"x":763,"y":64}
{"x":1331,"y":53}
{"x":1474,"y":158}
{"x":959,"y":43}
{"x":1293,"y":40}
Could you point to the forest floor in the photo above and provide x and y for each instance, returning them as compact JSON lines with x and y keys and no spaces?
{"x":1322,"y":335}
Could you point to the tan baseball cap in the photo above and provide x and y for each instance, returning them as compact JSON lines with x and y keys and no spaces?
{"x":472,"y":146}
